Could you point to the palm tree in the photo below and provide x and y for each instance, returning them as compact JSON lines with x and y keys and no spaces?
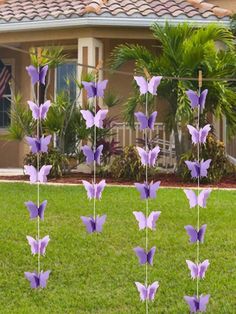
{"x":184,"y":50}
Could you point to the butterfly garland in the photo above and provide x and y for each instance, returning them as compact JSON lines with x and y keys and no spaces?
{"x":198,"y":169}
{"x":95,"y":119}
{"x":147,"y":190}
{"x":38,"y":145}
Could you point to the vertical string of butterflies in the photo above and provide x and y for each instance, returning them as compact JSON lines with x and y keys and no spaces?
{"x":198,"y":169}
{"x":38,"y":145}
{"x":94,"y":119}
{"x":147,"y":190}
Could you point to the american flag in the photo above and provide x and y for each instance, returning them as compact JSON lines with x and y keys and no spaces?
{"x":5,"y":77}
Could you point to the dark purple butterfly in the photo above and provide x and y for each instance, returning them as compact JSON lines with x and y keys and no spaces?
{"x":38,"y":246}
{"x":36,"y":211}
{"x":145,"y":257}
{"x":195,"y":200}
{"x":146,"y":122}
{"x":92,"y":120}
{"x":195,"y":100}
{"x":149,"y":222}
{"x":38,"y":176}
{"x":94,"y":225}
{"x":94,"y":190}
{"x":195,"y":235}
{"x":197,"y":304}
{"x":92,"y":156}
{"x":198,"y":270}
{"x":148,"y":158}
{"x":147,"y":190}
{"x":37,"y":75}
{"x":39,"y":112}
{"x":95,"y":89}
{"x":147,"y":292}
{"x":199,"y":136}
{"x":38,"y":280}
{"x":148,"y":86}
{"x":198,"y":169}
{"x":39,"y":144}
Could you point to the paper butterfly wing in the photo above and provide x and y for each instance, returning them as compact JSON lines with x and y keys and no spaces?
{"x":153,"y":189}
{"x":88,"y":153}
{"x":44,"y":172}
{"x":191,"y":301}
{"x":99,"y":117}
{"x":88,"y":117}
{"x":34,"y":108}
{"x":152,"y":219}
{"x":100,"y":222}
{"x":42,"y":74}
{"x":141,"y":188}
{"x":33,"y":279}
{"x":33,"y":143}
{"x":43,"y":244}
{"x":141,"y":254}
{"x":98,"y":153}
{"x":203,"y":268}
{"x":194,"y":134}
{"x":90,"y":89}
{"x":33,"y":73}
{"x":191,"y":196}
{"x":193,"y":235}
{"x":33,"y":245}
{"x":202,"y":99}
{"x":150,"y":255}
{"x":41,"y":209}
{"x":99,"y":189}
{"x":204,"y":133}
{"x":32,"y":208}
{"x":153,"y":84}
{"x":101,"y":86}
{"x":193,"y":97}
{"x":141,"y":220}
{"x":44,"y":109}
{"x":153,"y":155}
{"x":43,"y":278}
{"x":143,"y":155}
{"x":88,"y":223}
{"x":32,"y":172}
{"x":89,"y":188}
{"x":203,"y":196}
{"x":142,"y":119}
{"x":203,"y":301}
{"x":204,"y":167}
{"x":152,"y":120}
{"x":44,"y":142}
{"x":201,"y":233}
{"x":152,"y":289}
{"x":192,"y":166}
{"x":142,"y":84}
{"x":142,"y":291}
{"x":193,"y":269}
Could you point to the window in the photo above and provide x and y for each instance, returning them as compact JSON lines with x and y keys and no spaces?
{"x":66,"y":71}
{"x":5,"y":104}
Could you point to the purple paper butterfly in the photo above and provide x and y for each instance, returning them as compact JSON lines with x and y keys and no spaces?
{"x":92,"y":120}
{"x":36,"y":211}
{"x":195,"y":235}
{"x":198,"y":169}
{"x":147,"y":190}
{"x":39,"y":112}
{"x":37,"y":75}
{"x":149,"y":222}
{"x":39,"y":144}
{"x":38,"y":280}
{"x":145,"y":257}
{"x":195,"y":200}
{"x":199,"y":136}
{"x":92,"y":156}
{"x":197,"y":304}
{"x":195,"y":100}
{"x":148,"y":158}
{"x":94,"y":225}
{"x":198,"y":270}
{"x":146,"y":122}
{"x":95,"y":89}
{"x":38,"y":176}
{"x":38,"y":246}
{"x":94,"y":190}
{"x":145,"y":86}
{"x":147,"y":292}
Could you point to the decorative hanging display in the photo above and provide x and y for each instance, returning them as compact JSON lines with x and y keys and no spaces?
{"x":147,"y":190}
{"x":198,"y":169}
{"x":38,"y":145}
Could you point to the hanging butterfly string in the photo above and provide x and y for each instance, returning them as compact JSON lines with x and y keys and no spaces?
{"x":94,"y":146}
{"x":147,"y":209}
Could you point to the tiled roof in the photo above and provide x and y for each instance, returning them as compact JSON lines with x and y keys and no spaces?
{"x":38,"y":10}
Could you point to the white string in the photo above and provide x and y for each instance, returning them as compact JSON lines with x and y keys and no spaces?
{"x":38,"y":193}
{"x":94,"y":150}
{"x":147,"y":211}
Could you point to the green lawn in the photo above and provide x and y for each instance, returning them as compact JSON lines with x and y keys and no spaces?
{"x":96,"y":273}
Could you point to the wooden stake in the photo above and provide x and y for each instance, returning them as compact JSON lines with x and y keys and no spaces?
{"x":200,"y":78}
{"x":148,"y":76}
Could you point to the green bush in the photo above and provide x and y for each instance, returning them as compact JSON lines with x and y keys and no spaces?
{"x":214,"y":150}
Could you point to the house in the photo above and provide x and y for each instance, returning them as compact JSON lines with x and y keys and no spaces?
{"x":88,"y":30}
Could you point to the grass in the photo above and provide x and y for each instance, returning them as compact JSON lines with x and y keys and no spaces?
{"x":96,"y":273}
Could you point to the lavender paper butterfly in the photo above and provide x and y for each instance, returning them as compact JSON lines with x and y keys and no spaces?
{"x":39,"y":145}
{"x":38,"y":176}
{"x":198,"y":270}
{"x":37,"y":75}
{"x":197,"y":304}
{"x":92,"y":156}
{"x":148,"y":158}
{"x":195,"y":235}
{"x":199,"y":136}
{"x":38,"y":246}
{"x":195,"y":100}
{"x":146,"y":122}
{"x":195,"y":200}
{"x":147,"y":190}
{"x":149,"y":222}
{"x":94,"y":225}
{"x":39,"y":112}
{"x":94,"y":190}
{"x":92,"y":120}
{"x":145,"y":86}
{"x":147,"y":292}
{"x":145,"y":257}
{"x":95,"y":89}
{"x":38,"y":280}
{"x":198,"y":169}
{"x":36,"y":211}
